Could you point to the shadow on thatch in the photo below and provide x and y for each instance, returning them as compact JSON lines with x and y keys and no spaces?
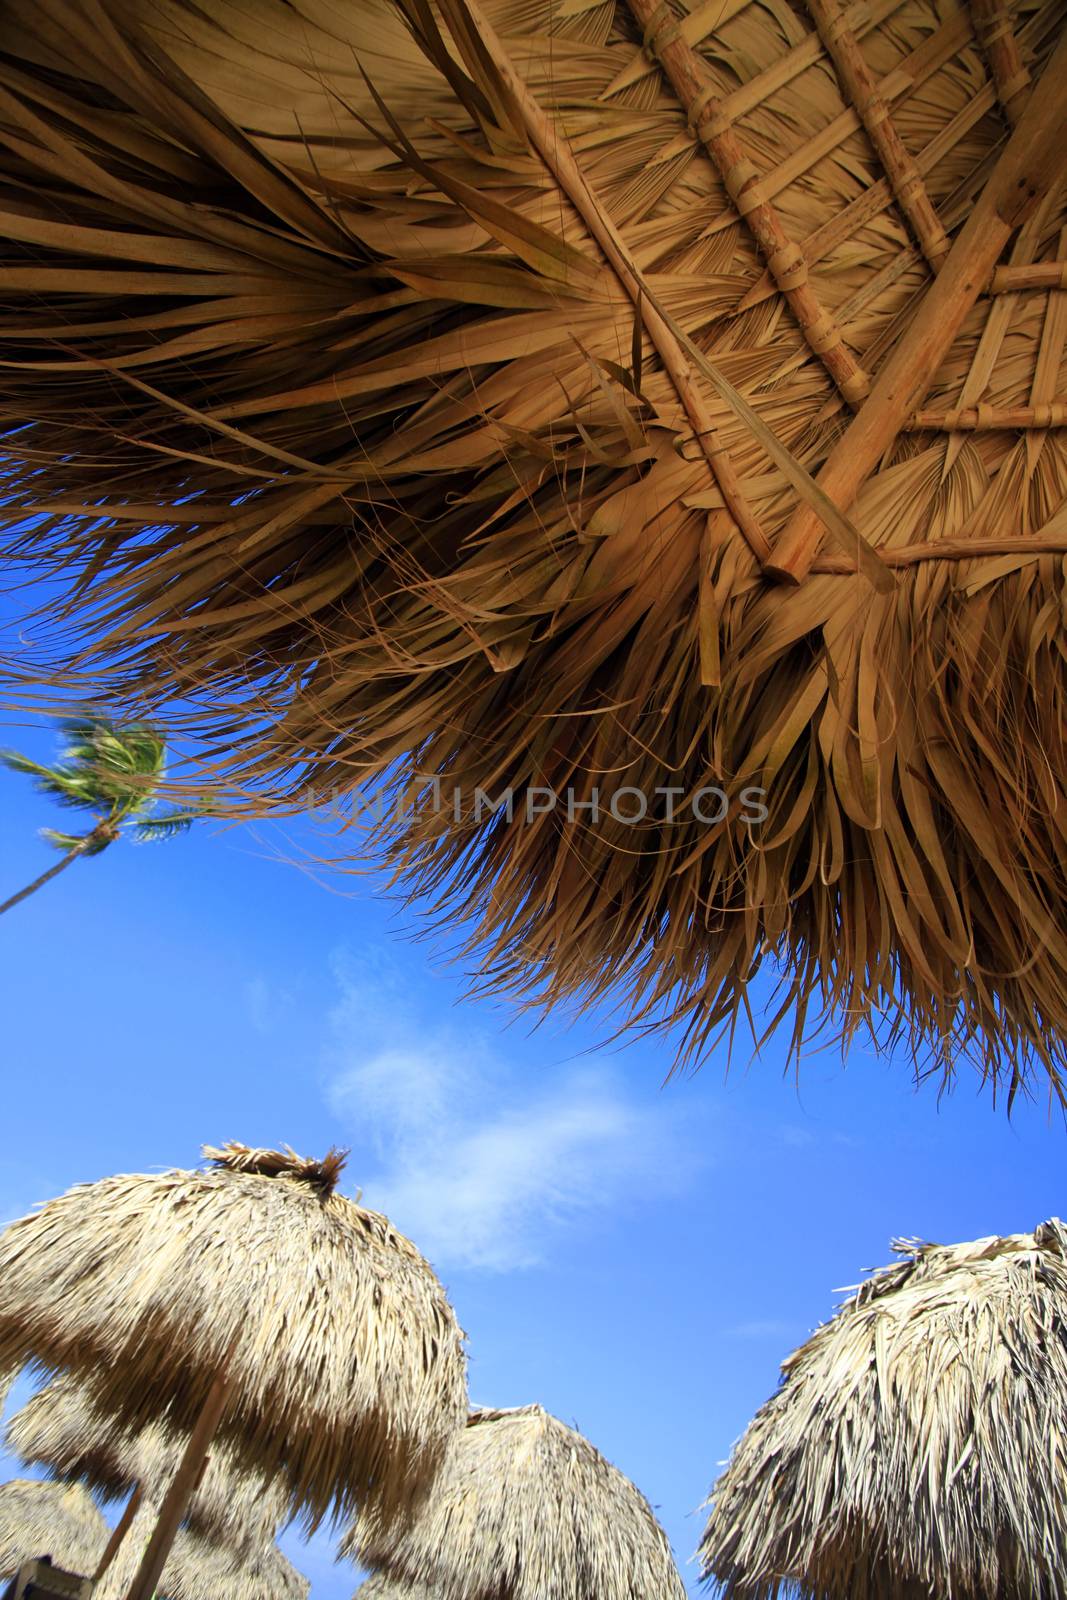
{"x":345,"y":1364}
{"x":61,"y":1429}
{"x":53,"y":1519}
{"x":916,"y":1447}
{"x":525,"y":1508}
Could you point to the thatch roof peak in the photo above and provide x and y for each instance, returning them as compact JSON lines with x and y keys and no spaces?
{"x":321,"y":1175}
{"x":914,"y":1445}
{"x":524,"y":1508}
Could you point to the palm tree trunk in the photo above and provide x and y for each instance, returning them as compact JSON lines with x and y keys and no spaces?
{"x":31,"y":888}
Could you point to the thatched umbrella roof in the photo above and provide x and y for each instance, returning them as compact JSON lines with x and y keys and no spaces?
{"x":916,"y":1446}
{"x":380,"y":1586}
{"x":53,"y":1519}
{"x":60,"y":1428}
{"x":525,"y":1508}
{"x":461,"y":434}
{"x":200,"y":1570}
{"x":343,"y":1360}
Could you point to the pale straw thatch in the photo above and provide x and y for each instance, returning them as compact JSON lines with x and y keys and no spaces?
{"x":344,"y":1362}
{"x":432,"y":395}
{"x":62,"y":1430}
{"x":199,"y":1570}
{"x":916,"y":1448}
{"x":202,"y":1569}
{"x":49,"y":1519}
{"x":380,"y":1586}
{"x":524,"y":1508}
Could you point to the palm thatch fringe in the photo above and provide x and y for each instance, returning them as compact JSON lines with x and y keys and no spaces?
{"x":524,"y":1508}
{"x":345,"y":1363}
{"x":381,"y":1587}
{"x":405,"y":402}
{"x":916,"y":1445}
{"x":49,"y":1519}
{"x":61,"y":1429}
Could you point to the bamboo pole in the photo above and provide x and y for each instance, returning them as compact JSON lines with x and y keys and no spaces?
{"x":910,"y":555}
{"x":986,"y":419}
{"x":1030,"y":162}
{"x":861,"y":88}
{"x":992,"y":24}
{"x":1036,"y":275}
{"x":695,"y":87}
{"x":119,"y":1532}
{"x":175,"y":1502}
{"x":559,"y":159}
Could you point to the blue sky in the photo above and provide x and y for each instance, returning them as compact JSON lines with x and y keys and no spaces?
{"x":636,"y":1254}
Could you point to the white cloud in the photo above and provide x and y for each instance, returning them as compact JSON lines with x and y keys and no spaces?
{"x":480,"y":1163}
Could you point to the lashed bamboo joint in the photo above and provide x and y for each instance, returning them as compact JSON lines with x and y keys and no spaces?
{"x":710,"y":121}
{"x":439,"y":430}
{"x":981,"y":418}
{"x":996,"y":35}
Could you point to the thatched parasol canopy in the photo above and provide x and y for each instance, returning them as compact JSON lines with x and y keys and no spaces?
{"x":60,"y":1428}
{"x":49,"y":1519}
{"x":382,"y":1587}
{"x":341,"y":1360}
{"x":525,"y":1509}
{"x":916,"y":1446}
{"x":197,"y":1569}
{"x":617,"y":406}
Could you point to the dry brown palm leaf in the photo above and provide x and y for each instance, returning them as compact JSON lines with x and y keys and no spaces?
{"x":915,"y":1446}
{"x":49,"y":1519}
{"x":61,"y":1429}
{"x":436,"y":398}
{"x":309,"y":1329}
{"x":381,"y":1587}
{"x":524,"y":1508}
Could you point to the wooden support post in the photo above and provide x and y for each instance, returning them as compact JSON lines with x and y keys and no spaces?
{"x":861,"y":88}
{"x":1031,"y":161}
{"x":119,"y":1532}
{"x":176,"y":1500}
{"x":695,"y":87}
{"x":992,"y":24}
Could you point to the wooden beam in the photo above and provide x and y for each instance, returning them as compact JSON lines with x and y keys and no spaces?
{"x":692,"y":81}
{"x":861,"y":89}
{"x":1031,"y":161}
{"x":1037,"y":275}
{"x":992,"y":24}
{"x":175,"y":1502}
{"x":119,"y":1532}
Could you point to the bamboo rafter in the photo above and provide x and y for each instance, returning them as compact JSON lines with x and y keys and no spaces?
{"x":560,"y":161}
{"x":1030,"y":163}
{"x":986,"y":419}
{"x":993,"y":26}
{"x":1038,"y":275}
{"x":860,"y":87}
{"x":692,"y":81}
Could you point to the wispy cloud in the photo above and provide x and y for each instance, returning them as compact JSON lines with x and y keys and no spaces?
{"x":481,"y":1163}
{"x":764,"y":1328}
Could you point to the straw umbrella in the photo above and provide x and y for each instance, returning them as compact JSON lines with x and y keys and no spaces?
{"x":49,"y":1519}
{"x":524,"y":1508}
{"x":379,"y":1586}
{"x":61,"y":1429}
{"x":250,"y":1300}
{"x":202,"y":1569}
{"x":916,"y":1445}
{"x":462,"y":431}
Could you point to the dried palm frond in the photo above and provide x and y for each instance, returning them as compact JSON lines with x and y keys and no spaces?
{"x":430,"y":399}
{"x":61,"y":1429}
{"x":916,"y":1445}
{"x":200,"y":1570}
{"x":49,"y":1519}
{"x":381,"y":1587}
{"x":344,"y":1362}
{"x":524,"y":1508}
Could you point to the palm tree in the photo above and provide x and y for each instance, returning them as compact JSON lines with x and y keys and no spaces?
{"x":112,"y":770}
